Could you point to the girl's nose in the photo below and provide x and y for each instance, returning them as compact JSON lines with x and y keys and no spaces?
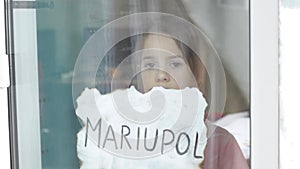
{"x":162,"y":76}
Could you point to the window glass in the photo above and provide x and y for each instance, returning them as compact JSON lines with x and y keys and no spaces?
{"x":132,"y":84}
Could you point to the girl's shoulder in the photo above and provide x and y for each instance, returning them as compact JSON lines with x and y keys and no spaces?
{"x":222,"y":150}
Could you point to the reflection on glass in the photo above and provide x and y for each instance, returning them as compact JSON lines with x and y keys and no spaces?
{"x":64,"y":29}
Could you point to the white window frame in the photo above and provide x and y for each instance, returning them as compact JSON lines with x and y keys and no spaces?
{"x":264,"y":84}
{"x":27,"y":120}
{"x":4,"y":83}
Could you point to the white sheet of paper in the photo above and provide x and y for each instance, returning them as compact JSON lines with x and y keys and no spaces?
{"x":179,"y":111}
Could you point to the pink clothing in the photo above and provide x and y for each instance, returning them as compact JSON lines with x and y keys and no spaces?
{"x":222,"y":151}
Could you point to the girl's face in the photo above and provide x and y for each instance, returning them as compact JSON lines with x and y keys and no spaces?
{"x":163,"y":64}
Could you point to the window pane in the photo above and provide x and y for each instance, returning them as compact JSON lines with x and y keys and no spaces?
{"x":194,"y":54}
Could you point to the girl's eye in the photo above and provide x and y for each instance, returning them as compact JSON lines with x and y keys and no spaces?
{"x":175,"y":64}
{"x":149,"y":65}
